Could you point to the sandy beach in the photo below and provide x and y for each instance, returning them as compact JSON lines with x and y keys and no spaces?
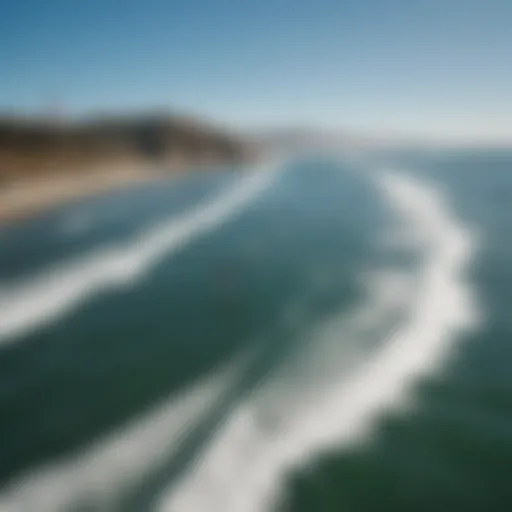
{"x":24,"y":198}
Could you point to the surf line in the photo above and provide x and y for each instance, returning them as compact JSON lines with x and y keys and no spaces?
{"x":58,"y":290}
{"x":244,"y":469}
{"x":100,"y":472}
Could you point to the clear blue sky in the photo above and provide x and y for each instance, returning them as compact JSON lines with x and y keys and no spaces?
{"x":425,"y":66}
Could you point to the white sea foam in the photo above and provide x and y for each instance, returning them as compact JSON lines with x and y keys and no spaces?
{"x":56,"y":291}
{"x":282,"y":428}
{"x":122,"y":459}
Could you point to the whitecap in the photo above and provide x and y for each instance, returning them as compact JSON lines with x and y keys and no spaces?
{"x":283,"y":426}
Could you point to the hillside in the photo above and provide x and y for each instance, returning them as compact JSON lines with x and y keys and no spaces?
{"x":35,"y":147}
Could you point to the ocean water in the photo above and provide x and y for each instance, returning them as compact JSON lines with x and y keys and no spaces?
{"x":316,"y":333}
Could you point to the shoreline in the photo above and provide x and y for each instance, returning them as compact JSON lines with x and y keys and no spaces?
{"x":26,"y":198}
{"x":23,"y":199}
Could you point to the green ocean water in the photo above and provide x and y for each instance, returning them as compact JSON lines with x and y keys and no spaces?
{"x":453,"y":450}
{"x":190,"y":345}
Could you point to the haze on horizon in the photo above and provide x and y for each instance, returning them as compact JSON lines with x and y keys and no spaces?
{"x":437,"y":70}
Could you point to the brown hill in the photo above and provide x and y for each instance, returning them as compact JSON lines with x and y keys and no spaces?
{"x":30,"y":148}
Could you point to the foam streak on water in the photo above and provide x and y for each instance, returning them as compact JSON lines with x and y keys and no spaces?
{"x":46,"y":297}
{"x":244,"y":468}
{"x":122,"y":459}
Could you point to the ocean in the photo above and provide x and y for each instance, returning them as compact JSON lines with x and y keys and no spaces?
{"x":318,"y":332}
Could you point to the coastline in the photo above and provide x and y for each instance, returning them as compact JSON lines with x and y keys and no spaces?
{"x":46,"y":162}
{"x":25,"y":198}
{"x":22,"y":199}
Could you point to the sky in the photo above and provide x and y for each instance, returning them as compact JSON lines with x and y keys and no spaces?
{"x":427,"y":68}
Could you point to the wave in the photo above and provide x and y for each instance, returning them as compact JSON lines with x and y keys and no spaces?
{"x":282,"y":428}
{"x":56,"y":291}
{"x":101,"y":472}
